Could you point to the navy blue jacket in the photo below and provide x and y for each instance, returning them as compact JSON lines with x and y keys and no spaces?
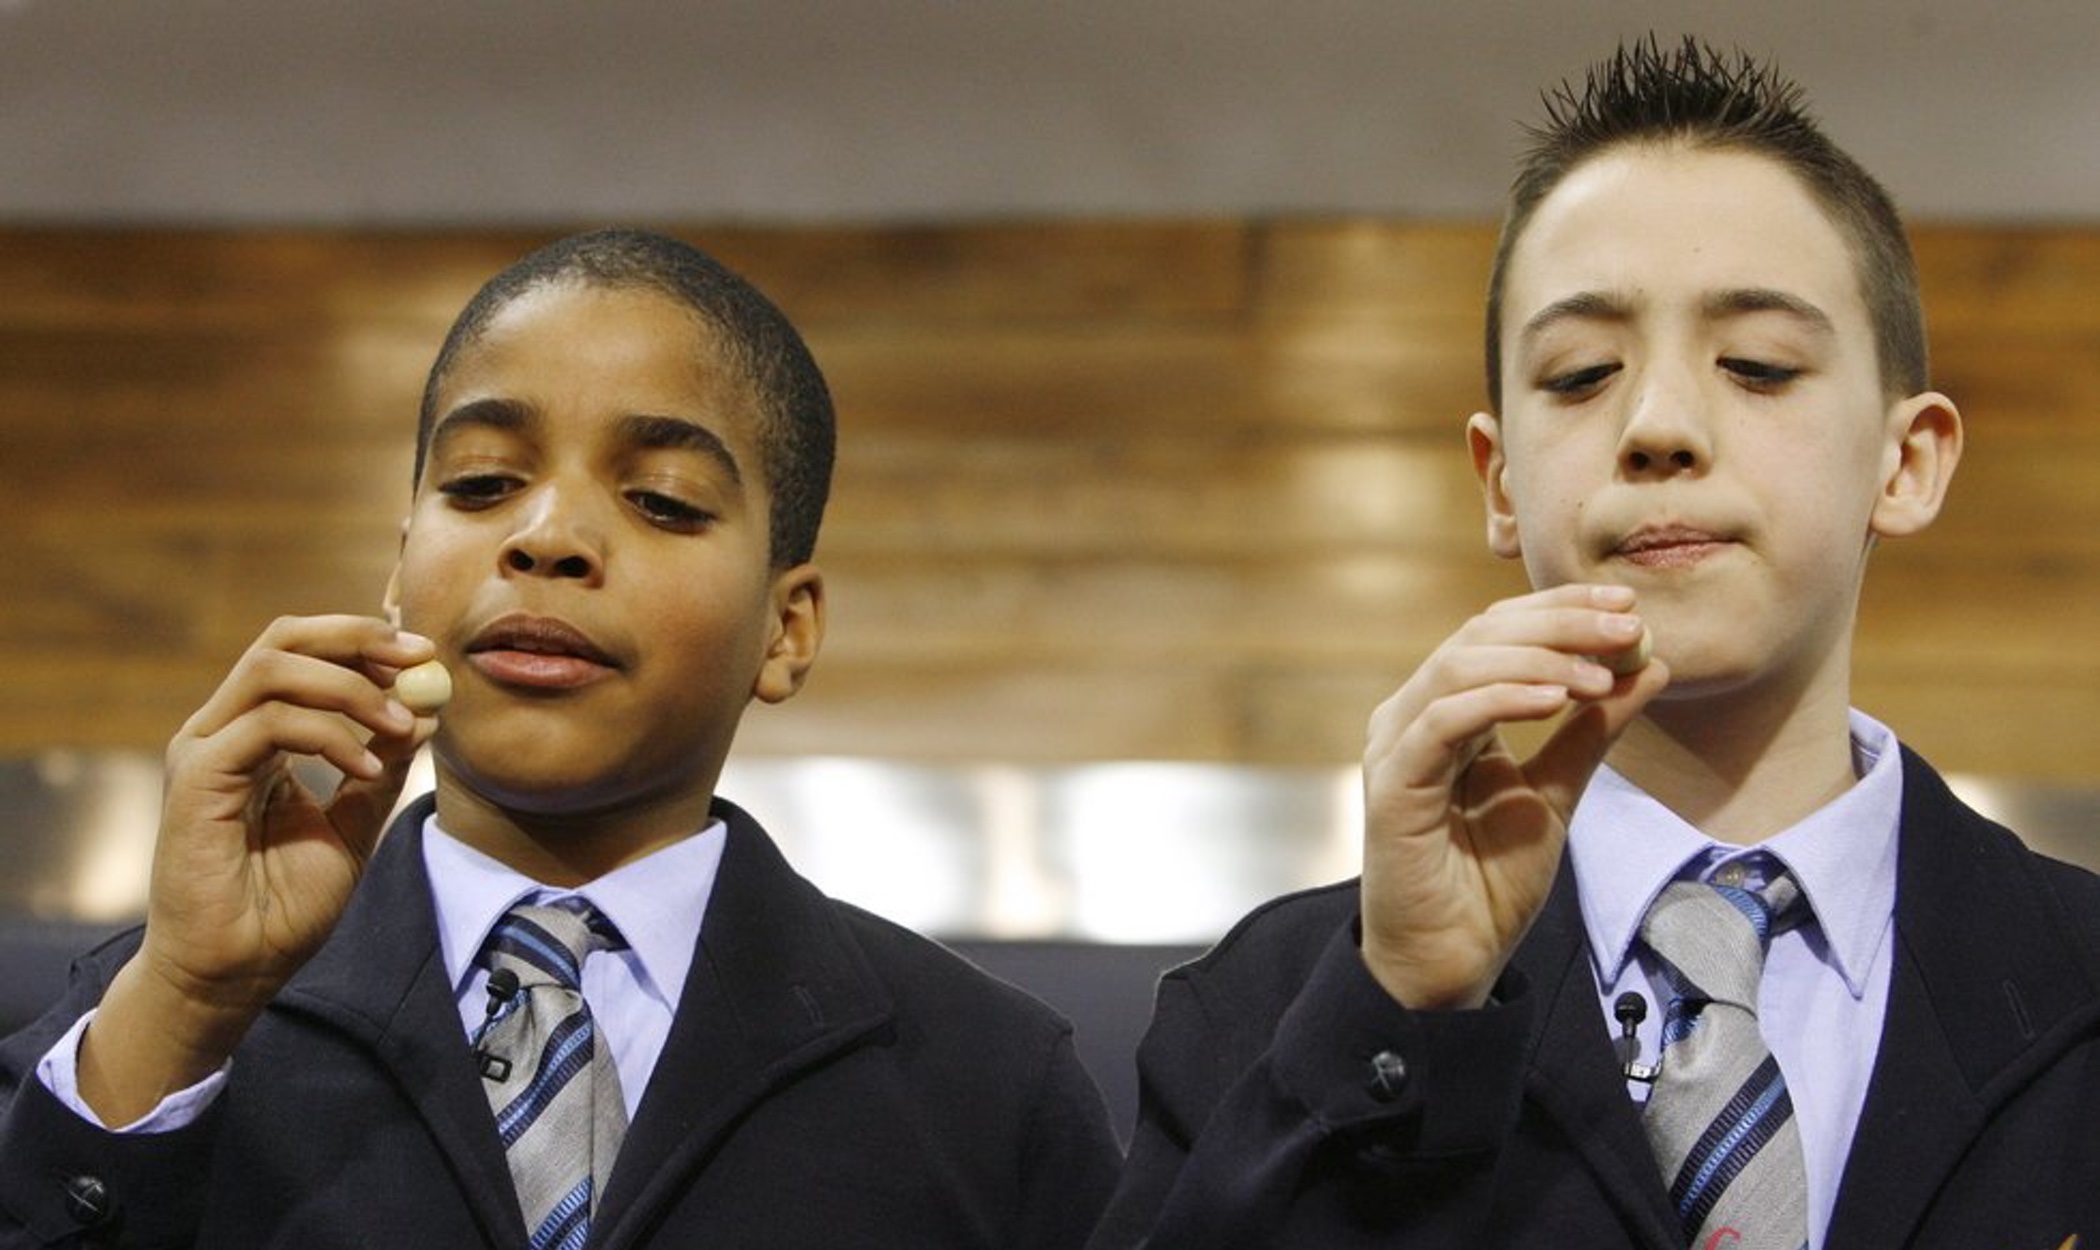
{"x":1263,"y":1124}
{"x":830,"y":1080}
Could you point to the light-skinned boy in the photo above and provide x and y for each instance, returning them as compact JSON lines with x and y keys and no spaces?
{"x":1720,"y":964}
{"x":322,"y":1037}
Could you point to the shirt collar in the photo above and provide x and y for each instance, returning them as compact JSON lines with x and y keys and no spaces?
{"x":1625,"y":847}
{"x":657,"y":902}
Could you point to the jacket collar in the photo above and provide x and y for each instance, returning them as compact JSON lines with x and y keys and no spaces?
{"x":777,"y":986}
{"x":1989,"y":985}
{"x":380,"y":980}
{"x":1572,"y":1076}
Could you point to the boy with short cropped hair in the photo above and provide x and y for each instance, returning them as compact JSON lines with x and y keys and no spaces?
{"x":573,"y":996}
{"x":1721,"y":964}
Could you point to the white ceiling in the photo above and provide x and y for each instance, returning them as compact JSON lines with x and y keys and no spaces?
{"x":560,"y":111}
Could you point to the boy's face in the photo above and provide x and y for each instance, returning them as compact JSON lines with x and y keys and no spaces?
{"x":589,"y":549}
{"x":1693,"y":407}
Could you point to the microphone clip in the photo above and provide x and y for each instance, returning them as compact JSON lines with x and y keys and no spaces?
{"x":503,"y":988}
{"x":1629,"y":1009}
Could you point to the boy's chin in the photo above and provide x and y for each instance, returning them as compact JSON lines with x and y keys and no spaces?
{"x":1704,"y":674}
{"x":1698,"y":687}
{"x":538,"y":785}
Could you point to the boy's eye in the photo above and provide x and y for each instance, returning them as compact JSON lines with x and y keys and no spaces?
{"x":476,"y":490}
{"x":1578,"y":381}
{"x":1757,"y":374}
{"x":668,"y":511}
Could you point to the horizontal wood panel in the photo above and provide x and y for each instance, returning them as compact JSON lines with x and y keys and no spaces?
{"x":971,"y":277}
{"x":963,"y":274}
{"x":1194,"y":380}
{"x":2035,"y":281}
{"x":1099,"y":493}
{"x":229,"y":279}
{"x":1157,"y":490}
{"x":1427,"y":273}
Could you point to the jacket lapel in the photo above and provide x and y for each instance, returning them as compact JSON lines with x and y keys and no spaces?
{"x":380,"y":980}
{"x":1573,"y":1078}
{"x":776,"y":986}
{"x":1983,"y":972}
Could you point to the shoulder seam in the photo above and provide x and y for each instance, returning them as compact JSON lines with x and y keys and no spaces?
{"x":1248,"y":922}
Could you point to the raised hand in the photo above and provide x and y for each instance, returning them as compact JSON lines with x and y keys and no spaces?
{"x":251,"y":869}
{"x":1461,"y":839}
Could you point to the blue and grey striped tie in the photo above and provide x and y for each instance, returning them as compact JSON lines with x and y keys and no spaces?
{"x":1720,"y":1119}
{"x":550,"y":1078}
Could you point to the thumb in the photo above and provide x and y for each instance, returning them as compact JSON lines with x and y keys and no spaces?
{"x":1563,"y":766}
{"x":359,"y":807}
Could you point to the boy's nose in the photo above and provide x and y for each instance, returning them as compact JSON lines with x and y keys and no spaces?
{"x":553,"y":541}
{"x":1642,"y":460}
{"x":520,"y":559}
{"x":1667,"y":432}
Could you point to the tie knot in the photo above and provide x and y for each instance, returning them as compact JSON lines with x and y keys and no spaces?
{"x":1714,"y":934}
{"x":547,"y":943}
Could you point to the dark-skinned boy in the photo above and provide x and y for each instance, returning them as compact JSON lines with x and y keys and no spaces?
{"x":622,"y":460}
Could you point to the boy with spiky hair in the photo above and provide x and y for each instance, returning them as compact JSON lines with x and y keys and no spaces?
{"x":1721,"y":963}
{"x":574,"y":997}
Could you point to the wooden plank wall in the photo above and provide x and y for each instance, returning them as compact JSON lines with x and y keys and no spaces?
{"x":1184,"y":490}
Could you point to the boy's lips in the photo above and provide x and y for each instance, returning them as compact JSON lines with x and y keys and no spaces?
{"x":541,"y":652}
{"x":1670,"y":546}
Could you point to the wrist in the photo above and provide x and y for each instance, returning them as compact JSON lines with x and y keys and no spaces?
{"x":150,"y":1039}
{"x":1421,"y":986}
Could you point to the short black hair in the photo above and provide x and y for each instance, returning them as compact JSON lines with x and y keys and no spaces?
{"x":796,"y":427}
{"x":1695,"y":96}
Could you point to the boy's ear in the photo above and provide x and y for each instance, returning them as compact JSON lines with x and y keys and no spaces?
{"x":1491,"y":466}
{"x":795,"y":633}
{"x":1924,"y":445}
{"x":390,"y":599}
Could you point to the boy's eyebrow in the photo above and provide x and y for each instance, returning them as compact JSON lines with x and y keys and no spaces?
{"x":659,"y":433}
{"x":1583,"y":305}
{"x":1741,"y":300}
{"x":495,"y":414}
{"x":1734,"y":302}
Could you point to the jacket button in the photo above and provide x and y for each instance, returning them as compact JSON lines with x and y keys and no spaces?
{"x":88,"y":1200}
{"x":1388,"y":1074}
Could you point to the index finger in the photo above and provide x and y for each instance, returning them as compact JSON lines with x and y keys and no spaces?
{"x":1603,"y":596}
{"x":347,"y":639}
{"x":373,"y":648}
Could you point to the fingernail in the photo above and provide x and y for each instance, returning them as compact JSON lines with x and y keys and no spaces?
{"x":412,"y":639}
{"x":398,"y":715}
{"x":1612,"y":596}
{"x":1623,"y":626}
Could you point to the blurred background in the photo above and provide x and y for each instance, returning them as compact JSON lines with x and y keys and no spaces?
{"x":1153,"y":328}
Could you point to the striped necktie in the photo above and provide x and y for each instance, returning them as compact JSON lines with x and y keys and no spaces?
{"x":549,"y":1077}
{"x":1720,"y":1119}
